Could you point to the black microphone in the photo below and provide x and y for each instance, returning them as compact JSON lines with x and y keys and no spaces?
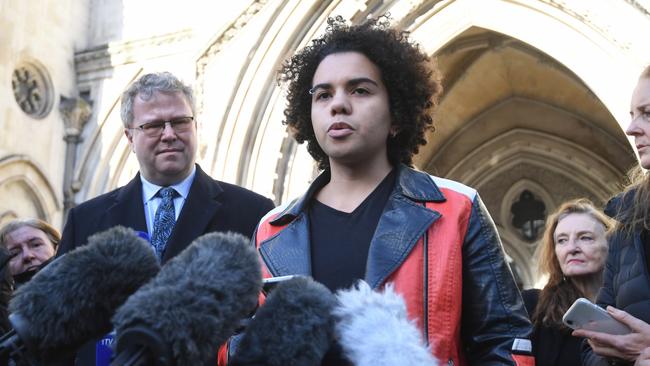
{"x":373,"y":329}
{"x":72,"y":300}
{"x":293,"y":327}
{"x":192,"y":306}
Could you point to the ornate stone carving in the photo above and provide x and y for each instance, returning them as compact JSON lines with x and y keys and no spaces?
{"x":75,"y":112}
{"x":108,"y":56}
{"x":32,"y":89}
{"x":600,"y":21}
{"x":217,"y":45}
{"x":528,"y":215}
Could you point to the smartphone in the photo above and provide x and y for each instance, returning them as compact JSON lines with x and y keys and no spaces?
{"x":584,"y":314}
{"x":269,"y":283}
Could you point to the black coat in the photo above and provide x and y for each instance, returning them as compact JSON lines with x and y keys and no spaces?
{"x":626,"y":280}
{"x":6,"y":289}
{"x":210,"y":206}
{"x":551,"y":346}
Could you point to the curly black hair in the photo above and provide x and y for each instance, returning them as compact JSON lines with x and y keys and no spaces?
{"x":411,"y":78}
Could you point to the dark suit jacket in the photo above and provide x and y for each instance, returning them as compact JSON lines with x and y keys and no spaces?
{"x":210,"y":206}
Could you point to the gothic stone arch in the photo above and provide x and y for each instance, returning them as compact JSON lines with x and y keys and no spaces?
{"x":247,"y":140}
{"x":31,"y":194}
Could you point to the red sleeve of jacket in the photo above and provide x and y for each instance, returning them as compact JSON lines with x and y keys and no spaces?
{"x":222,"y":359}
{"x":521,"y":360}
{"x":496,"y":328}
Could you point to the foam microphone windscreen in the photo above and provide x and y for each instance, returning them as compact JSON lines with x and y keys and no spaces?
{"x":195,"y":303}
{"x":374,"y":330}
{"x":293,"y":327}
{"x":73,"y":299}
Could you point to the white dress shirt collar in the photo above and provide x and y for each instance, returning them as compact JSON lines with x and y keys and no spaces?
{"x":149,"y":189}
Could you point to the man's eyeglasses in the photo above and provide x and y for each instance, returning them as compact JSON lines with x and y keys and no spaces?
{"x":156,"y":128}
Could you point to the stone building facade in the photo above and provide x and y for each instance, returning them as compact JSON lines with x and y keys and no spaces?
{"x":535,"y":104}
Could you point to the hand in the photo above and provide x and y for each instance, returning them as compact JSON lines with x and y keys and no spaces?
{"x":626,"y":347}
{"x":644,"y":358}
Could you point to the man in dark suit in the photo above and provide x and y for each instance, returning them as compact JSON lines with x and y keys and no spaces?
{"x":171,"y":200}
{"x":210,"y":206}
{"x":158,"y":115}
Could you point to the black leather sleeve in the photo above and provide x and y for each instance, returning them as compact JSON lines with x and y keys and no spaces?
{"x":494,"y":317}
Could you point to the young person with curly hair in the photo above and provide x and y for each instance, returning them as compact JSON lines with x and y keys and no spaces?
{"x":362,"y":97}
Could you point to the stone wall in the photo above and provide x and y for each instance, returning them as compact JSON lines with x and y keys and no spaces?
{"x":38,"y":38}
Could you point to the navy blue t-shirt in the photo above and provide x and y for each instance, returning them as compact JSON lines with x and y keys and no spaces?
{"x":340,"y":240}
{"x":339,"y":245}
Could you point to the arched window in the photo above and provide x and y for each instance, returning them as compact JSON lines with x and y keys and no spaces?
{"x":528,"y":216}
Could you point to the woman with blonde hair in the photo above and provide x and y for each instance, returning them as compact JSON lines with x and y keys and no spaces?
{"x":626,"y":281}
{"x":573,"y":254}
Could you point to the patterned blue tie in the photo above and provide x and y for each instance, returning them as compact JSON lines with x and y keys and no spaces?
{"x":163,"y":223}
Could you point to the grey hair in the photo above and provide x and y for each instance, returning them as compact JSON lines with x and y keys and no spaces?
{"x":146,"y":86}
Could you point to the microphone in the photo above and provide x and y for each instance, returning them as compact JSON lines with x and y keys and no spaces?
{"x":73,"y":298}
{"x":374,"y":330}
{"x":293,"y":327}
{"x":192,"y":306}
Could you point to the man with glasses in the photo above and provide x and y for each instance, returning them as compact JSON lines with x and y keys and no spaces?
{"x":171,"y":201}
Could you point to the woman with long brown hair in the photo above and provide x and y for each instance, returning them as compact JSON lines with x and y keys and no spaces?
{"x":573,"y":254}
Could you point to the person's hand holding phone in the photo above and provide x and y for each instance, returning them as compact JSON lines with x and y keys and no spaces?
{"x":626,"y":347}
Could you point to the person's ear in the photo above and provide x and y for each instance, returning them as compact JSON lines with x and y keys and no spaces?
{"x":129,"y":136}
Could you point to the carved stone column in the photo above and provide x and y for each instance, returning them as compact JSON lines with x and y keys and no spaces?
{"x":75,"y":112}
